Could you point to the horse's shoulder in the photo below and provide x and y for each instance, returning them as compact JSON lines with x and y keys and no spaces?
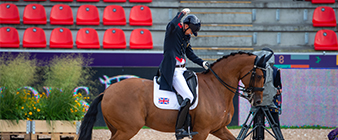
{"x":201,"y":75}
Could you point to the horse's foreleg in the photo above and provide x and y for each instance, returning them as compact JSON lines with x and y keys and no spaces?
{"x":224,"y":134}
{"x":202,"y":135}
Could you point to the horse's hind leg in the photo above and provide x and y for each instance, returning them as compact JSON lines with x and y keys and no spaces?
{"x":124,"y":134}
{"x":111,"y":127}
{"x":124,"y":129}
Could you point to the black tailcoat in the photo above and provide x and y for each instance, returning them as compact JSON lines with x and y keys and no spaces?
{"x":176,"y":44}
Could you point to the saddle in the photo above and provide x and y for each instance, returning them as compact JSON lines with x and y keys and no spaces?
{"x":191,"y":80}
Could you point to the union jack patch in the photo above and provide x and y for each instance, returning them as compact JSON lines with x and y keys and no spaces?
{"x":163,"y":100}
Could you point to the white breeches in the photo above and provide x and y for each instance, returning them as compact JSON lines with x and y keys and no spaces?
{"x":180,"y":84}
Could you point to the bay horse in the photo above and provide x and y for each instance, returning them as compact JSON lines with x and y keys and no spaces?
{"x":128,"y":105}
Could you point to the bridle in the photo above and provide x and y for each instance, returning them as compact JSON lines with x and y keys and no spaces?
{"x":251,"y":89}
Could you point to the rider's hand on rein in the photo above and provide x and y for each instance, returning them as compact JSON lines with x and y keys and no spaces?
{"x":206,"y":65}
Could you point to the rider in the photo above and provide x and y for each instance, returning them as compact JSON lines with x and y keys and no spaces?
{"x":176,"y":45}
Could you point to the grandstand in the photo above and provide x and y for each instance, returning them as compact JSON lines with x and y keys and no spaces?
{"x":227,"y":25}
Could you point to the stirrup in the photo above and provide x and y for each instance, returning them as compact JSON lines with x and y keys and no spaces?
{"x":181,"y":133}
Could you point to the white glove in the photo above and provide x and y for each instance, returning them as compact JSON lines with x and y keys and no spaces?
{"x":206,"y":65}
{"x":186,"y":11}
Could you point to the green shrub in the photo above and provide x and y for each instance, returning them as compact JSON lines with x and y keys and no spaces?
{"x":62,"y":75}
{"x":15,"y":72}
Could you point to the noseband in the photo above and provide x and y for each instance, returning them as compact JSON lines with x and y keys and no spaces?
{"x":251,"y":89}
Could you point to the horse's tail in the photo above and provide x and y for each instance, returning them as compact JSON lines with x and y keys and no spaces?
{"x":89,"y":120}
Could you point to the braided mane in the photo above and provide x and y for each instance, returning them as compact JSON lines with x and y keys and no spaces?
{"x":225,"y":57}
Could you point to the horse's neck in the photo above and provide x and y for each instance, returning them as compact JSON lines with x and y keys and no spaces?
{"x":229,"y":71}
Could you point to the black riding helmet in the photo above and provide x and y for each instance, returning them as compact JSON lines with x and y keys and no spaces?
{"x":193,"y":22}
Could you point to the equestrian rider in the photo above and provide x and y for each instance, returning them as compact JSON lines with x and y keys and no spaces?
{"x":176,"y":47}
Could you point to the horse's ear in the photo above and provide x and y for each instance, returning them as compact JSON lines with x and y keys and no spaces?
{"x":261,"y":62}
{"x":268,"y":57}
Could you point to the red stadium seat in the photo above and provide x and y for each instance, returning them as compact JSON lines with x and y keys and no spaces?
{"x":324,"y":16}
{"x":61,"y":38}
{"x":34,"y":0}
{"x":34,"y":14}
{"x":87,"y":38}
{"x":87,"y":0}
{"x":326,"y":40}
{"x":61,"y":14}
{"x":114,"y":0}
{"x":34,"y":37}
{"x":114,"y":15}
{"x":141,"y":39}
{"x":114,"y":39}
{"x":322,"y":1}
{"x":140,"y":1}
{"x":9,"y":37}
{"x":140,"y":15}
{"x":87,"y":15}
{"x":9,"y":14}
{"x":61,"y":0}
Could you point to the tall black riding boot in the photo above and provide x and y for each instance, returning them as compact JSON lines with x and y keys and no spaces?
{"x":183,"y":121}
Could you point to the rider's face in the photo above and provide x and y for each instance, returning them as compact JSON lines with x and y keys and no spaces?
{"x":187,"y":32}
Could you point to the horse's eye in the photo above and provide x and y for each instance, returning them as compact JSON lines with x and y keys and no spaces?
{"x":259,"y":77}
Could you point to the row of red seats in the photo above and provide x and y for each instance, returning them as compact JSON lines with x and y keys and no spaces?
{"x":61,"y":14}
{"x":325,"y":40}
{"x":87,"y":38}
{"x":131,"y":1}
{"x":322,"y":1}
{"x":324,"y":16}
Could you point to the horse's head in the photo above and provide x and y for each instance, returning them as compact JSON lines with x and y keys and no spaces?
{"x":249,"y":69}
{"x":254,"y":81}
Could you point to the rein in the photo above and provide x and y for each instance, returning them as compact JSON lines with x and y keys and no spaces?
{"x":250,"y":89}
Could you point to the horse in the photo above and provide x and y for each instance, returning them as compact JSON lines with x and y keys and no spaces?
{"x":128,"y":105}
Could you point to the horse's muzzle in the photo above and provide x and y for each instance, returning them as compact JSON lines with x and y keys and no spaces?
{"x":259,"y":101}
{"x":256,"y":100}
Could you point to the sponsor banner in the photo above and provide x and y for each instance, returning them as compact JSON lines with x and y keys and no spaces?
{"x":300,"y":60}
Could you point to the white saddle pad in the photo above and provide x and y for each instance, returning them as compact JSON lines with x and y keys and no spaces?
{"x":167,"y":100}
